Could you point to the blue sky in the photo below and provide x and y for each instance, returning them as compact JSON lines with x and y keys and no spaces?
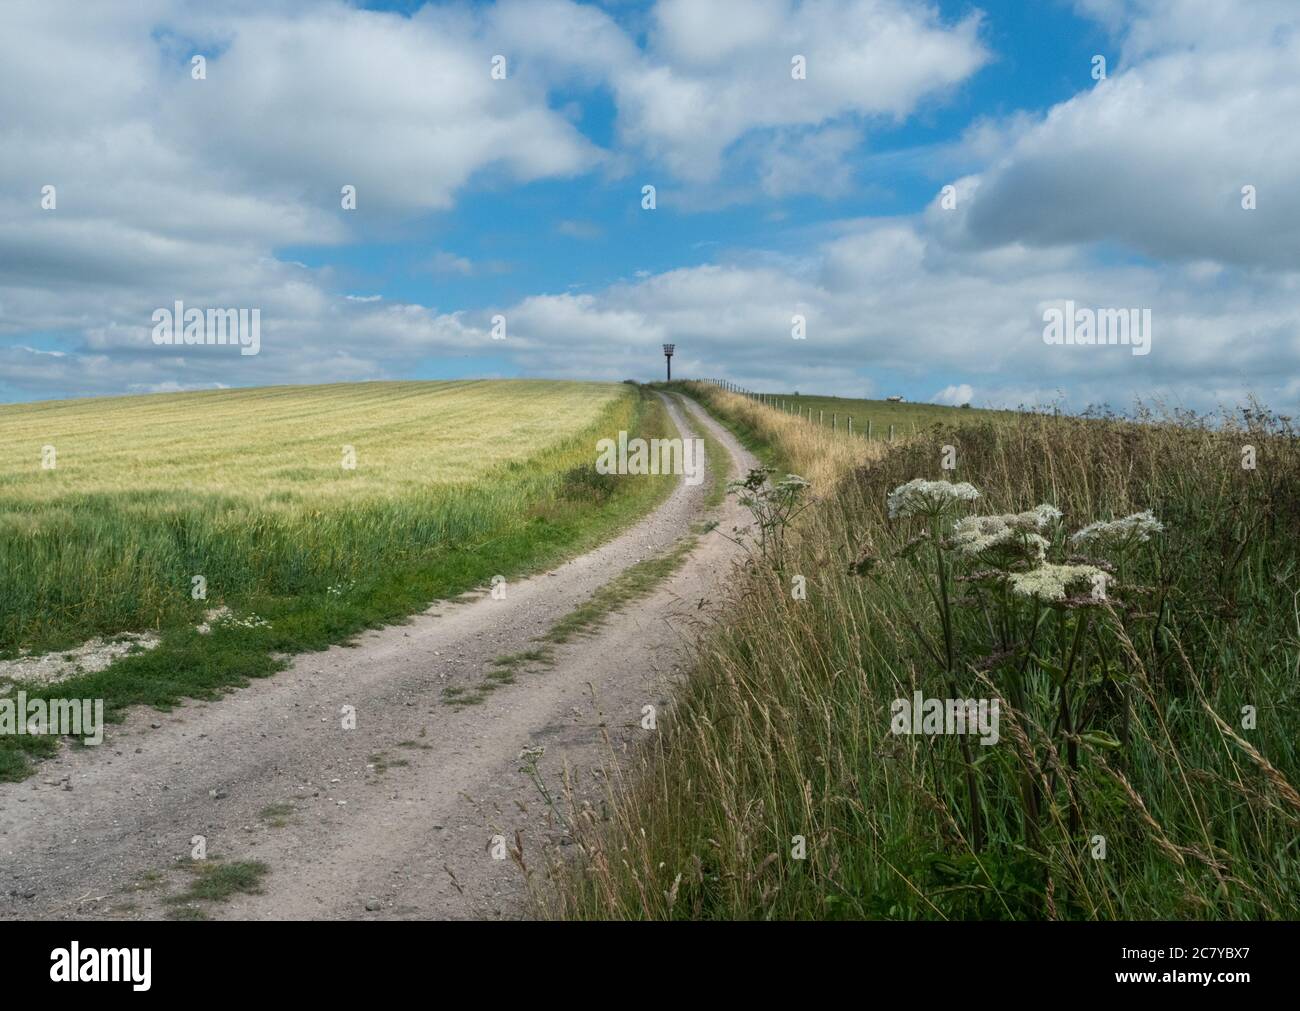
{"x":775,"y":197}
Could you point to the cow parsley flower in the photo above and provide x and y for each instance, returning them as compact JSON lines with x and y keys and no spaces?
{"x":920,"y":497}
{"x":1050,"y":582}
{"x":1132,"y":529}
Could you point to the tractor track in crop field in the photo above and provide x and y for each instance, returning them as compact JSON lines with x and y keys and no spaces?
{"x":395,"y":819}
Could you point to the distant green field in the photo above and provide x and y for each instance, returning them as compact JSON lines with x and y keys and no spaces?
{"x":906,"y":418}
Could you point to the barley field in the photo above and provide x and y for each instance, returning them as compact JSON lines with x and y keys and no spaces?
{"x":274,"y":491}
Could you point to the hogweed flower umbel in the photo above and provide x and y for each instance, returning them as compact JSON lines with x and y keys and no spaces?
{"x":1136,"y":528}
{"x":920,"y":497}
{"x":1050,"y":582}
{"x":974,"y":535}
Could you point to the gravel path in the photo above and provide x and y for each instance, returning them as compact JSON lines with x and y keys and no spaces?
{"x":104,"y":832}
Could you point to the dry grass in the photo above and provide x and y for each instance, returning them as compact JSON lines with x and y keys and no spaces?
{"x":815,"y":453}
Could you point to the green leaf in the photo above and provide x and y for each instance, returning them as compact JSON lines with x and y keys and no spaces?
{"x":1102,"y":739}
{"x":1058,"y":673}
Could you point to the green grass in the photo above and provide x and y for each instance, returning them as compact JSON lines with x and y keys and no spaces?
{"x":1121,"y":725}
{"x":471,"y":480}
{"x":277,"y":815}
{"x":216,"y":881}
{"x":383,"y":763}
{"x":907,"y":419}
{"x":631,"y":584}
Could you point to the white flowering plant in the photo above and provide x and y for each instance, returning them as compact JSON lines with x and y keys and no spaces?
{"x":920,"y":497}
{"x":1033,"y":609}
{"x":1123,"y":533}
{"x":774,"y":506}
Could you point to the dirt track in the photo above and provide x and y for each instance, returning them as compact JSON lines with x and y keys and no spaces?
{"x":369,"y":839}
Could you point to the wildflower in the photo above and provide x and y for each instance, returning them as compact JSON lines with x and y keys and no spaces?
{"x":1050,"y":582}
{"x":1040,"y":516}
{"x":974,"y":535}
{"x":1132,"y":529}
{"x":920,"y":497}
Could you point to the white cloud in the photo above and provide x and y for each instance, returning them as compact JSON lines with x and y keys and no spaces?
{"x":717,"y":69}
{"x":893,"y":297}
{"x":1155,"y":157}
{"x":585,"y":230}
{"x":954,"y":396}
{"x":449,"y":263}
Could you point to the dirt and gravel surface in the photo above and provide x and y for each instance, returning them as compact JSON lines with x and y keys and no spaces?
{"x":393,"y":819}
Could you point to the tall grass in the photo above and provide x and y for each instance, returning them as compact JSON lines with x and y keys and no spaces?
{"x":816,"y":453}
{"x":1129,"y":780}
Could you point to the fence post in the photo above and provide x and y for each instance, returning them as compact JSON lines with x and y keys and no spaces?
{"x":850,"y":424}
{"x":868,"y":430}
{"x":891,"y":433}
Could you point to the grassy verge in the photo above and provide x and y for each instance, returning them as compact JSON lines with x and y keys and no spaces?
{"x":1148,"y":744}
{"x":783,"y":441}
{"x":556,"y":511}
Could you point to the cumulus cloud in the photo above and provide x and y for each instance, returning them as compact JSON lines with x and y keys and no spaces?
{"x":714,"y":71}
{"x":712,"y":88}
{"x":954,"y":396}
{"x":405,"y":109}
{"x":1126,"y":195}
{"x":165,"y":187}
{"x":1156,"y":157}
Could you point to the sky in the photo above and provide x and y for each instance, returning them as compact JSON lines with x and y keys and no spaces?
{"x":851,"y":197}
